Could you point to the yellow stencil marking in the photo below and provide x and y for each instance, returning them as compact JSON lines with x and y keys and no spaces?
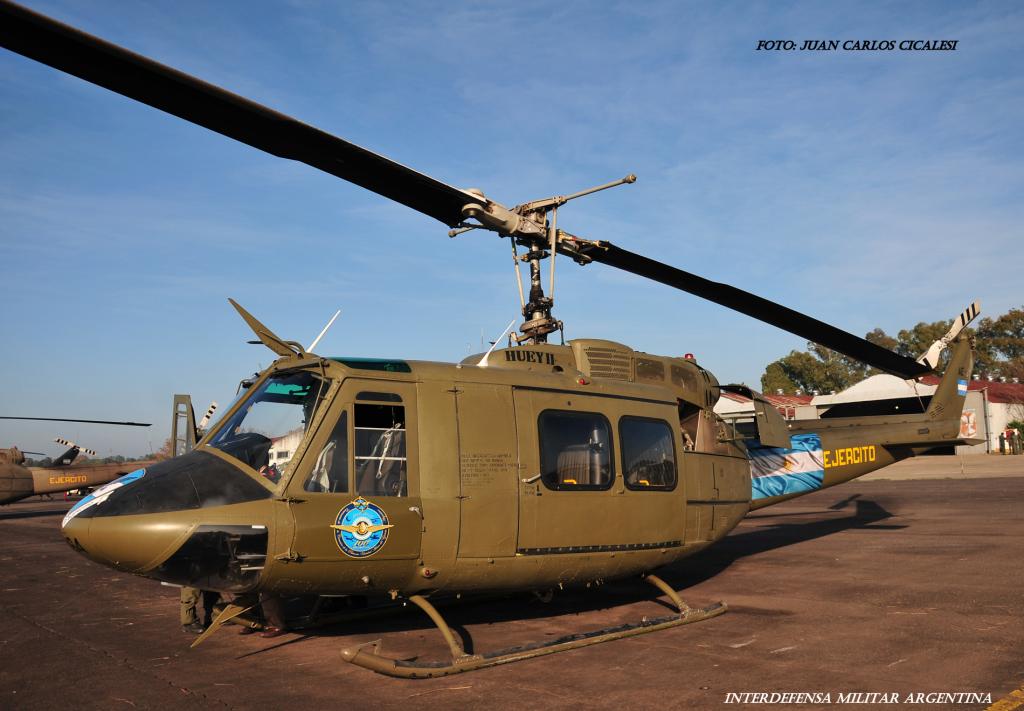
{"x":849,"y":455}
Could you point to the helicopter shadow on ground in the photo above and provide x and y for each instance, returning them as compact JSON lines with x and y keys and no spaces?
{"x":867,"y":514}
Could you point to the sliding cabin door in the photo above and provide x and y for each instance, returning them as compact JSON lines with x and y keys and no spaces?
{"x":598,"y":474}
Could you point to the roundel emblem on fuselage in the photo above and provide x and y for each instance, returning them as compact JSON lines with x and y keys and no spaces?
{"x":361,"y":528}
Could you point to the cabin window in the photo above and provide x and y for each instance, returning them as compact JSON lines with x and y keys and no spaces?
{"x":689,"y":417}
{"x":575,"y":450}
{"x":648,"y":454}
{"x":330,"y":470}
{"x":380,"y":457}
{"x":702,"y":430}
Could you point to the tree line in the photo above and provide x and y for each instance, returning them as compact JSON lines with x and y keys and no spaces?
{"x":85,"y":460}
{"x":999,"y":352}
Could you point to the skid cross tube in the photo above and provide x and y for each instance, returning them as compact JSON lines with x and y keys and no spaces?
{"x":454,"y":647}
{"x":368,"y":655}
{"x":672,"y":594}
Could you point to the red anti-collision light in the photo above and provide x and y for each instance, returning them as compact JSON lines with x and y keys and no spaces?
{"x":581,"y":380}
{"x":689,"y":356}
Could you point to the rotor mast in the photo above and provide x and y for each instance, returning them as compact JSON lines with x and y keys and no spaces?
{"x":532,"y":225}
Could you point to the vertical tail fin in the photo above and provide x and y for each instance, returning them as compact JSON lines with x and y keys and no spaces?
{"x":948,"y":400}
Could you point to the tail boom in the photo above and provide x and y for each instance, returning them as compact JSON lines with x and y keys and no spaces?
{"x":833,"y":451}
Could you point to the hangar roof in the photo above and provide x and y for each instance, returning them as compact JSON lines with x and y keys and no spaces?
{"x":1011,"y":393}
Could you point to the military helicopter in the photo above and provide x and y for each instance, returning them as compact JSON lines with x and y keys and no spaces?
{"x":19,"y":482}
{"x":67,"y":473}
{"x":532,"y":466}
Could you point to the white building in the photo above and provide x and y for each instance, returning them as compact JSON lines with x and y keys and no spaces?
{"x":990,"y":404}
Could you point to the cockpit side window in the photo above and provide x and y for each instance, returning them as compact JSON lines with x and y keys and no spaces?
{"x":330,"y":470}
{"x":266,"y":430}
{"x":380,"y":450}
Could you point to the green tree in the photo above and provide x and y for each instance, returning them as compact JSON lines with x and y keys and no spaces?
{"x":915,"y":341}
{"x":1001,"y":344}
{"x":775,"y":378}
{"x":881,"y":338}
{"x":820,"y":370}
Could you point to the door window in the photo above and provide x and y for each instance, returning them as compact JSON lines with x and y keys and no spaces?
{"x":575,"y":450}
{"x":380,"y":456}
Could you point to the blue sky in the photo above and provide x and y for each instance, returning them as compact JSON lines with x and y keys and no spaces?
{"x":864,"y":188}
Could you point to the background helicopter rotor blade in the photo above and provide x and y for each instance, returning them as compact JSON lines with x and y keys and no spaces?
{"x":108,"y":65}
{"x":750,"y":304}
{"x":92,"y":422}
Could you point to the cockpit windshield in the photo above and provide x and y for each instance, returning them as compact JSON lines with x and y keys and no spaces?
{"x":267,"y":429}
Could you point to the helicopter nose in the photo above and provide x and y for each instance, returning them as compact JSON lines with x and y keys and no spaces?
{"x":75,"y":532}
{"x":129,"y":543}
{"x":223,"y":557}
{"x":134,"y":544}
{"x":192,"y":520}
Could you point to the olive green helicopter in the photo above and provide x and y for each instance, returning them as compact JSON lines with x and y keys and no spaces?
{"x":66,"y":473}
{"x":530,"y":467}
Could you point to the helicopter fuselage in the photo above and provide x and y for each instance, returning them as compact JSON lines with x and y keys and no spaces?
{"x":545,"y":465}
{"x":530,"y":467}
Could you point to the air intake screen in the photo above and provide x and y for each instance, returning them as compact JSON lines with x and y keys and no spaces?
{"x":609,"y":363}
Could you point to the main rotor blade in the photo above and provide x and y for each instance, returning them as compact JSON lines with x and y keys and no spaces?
{"x":93,"y":422}
{"x":70,"y":50}
{"x":760,"y":308}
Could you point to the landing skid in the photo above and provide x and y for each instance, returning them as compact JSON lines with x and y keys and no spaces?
{"x":249,"y":616}
{"x":368,"y":655}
